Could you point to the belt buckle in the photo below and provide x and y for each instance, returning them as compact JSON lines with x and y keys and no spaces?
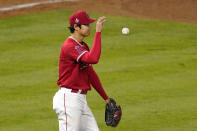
{"x":79,"y":91}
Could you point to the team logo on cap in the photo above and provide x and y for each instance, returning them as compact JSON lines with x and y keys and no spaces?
{"x":76,"y":20}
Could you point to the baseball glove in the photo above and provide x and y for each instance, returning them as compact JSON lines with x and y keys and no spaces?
{"x":113,"y":113}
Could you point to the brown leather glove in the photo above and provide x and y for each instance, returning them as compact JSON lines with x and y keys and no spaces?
{"x":113,"y":113}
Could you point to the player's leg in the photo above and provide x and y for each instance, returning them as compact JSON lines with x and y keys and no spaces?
{"x":88,"y":122}
{"x":69,"y":120}
{"x":58,"y":107}
{"x":68,"y":111}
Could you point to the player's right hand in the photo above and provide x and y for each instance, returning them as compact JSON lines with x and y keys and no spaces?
{"x":99,"y":23}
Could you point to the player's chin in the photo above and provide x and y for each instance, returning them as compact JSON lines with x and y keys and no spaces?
{"x":86,"y":34}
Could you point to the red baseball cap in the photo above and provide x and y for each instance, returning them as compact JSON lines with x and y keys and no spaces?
{"x":80,"y":17}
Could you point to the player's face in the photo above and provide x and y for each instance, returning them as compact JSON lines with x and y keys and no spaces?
{"x":85,"y":30}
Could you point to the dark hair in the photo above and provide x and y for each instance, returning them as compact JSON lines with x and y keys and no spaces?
{"x":72,"y":29}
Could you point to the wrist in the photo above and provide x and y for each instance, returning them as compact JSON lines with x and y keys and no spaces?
{"x":107,"y":100}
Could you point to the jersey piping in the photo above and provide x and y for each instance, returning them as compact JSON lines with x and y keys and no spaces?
{"x":75,"y":40}
{"x":81,"y":55}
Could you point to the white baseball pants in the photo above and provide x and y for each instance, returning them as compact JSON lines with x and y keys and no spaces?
{"x":73,"y":112}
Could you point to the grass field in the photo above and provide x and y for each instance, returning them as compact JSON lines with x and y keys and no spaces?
{"x":152,"y":72}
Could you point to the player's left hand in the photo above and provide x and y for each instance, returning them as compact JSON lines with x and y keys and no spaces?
{"x":113,"y":113}
{"x":107,"y":101}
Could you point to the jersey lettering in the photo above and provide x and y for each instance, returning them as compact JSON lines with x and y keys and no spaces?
{"x":79,"y":50}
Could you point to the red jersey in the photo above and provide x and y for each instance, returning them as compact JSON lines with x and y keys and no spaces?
{"x":75,"y":65}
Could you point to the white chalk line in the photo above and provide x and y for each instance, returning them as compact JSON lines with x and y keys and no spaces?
{"x":33,"y":4}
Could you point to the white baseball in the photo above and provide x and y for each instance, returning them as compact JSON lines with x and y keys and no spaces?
{"x":125,"y":31}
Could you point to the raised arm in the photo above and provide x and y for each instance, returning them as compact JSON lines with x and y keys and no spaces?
{"x":92,"y":57}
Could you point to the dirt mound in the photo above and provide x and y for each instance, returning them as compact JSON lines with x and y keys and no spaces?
{"x":172,"y":10}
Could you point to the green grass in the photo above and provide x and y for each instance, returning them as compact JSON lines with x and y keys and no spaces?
{"x":152,"y":73}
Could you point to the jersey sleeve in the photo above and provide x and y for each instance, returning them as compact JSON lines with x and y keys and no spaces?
{"x":95,"y":82}
{"x":92,"y":56}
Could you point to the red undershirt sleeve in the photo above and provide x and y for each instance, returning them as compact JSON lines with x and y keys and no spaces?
{"x":92,"y":57}
{"x":95,"y":82}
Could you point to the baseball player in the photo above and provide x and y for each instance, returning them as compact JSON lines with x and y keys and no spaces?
{"x":76,"y":74}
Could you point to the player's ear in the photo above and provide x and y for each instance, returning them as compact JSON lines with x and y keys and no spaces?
{"x":76,"y":27}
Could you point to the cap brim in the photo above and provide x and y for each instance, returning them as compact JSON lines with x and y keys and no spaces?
{"x":92,"y":20}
